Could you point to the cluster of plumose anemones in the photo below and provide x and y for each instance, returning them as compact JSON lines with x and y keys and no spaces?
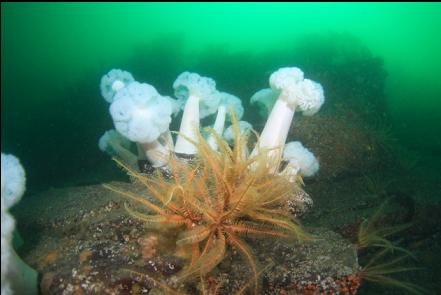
{"x":141,"y":115}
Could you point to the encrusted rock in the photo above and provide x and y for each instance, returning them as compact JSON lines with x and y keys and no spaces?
{"x":327,"y":263}
{"x":299,"y":202}
{"x":342,"y":147}
{"x":86,"y":258}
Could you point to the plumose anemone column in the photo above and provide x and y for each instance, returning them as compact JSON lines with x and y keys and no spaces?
{"x":201,"y":100}
{"x":116,"y":145}
{"x":245,"y":128}
{"x":296,"y":93}
{"x":228,"y":103}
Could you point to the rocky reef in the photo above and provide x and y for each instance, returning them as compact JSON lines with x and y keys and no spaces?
{"x":84,"y":242}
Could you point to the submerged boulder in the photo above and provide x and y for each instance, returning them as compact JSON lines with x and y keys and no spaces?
{"x":327,"y":264}
{"x":84,"y":241}
{"x":343,"y":147}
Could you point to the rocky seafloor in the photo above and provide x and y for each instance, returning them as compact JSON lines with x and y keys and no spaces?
{"x":82,"y":241}
{"x":85,"y":243}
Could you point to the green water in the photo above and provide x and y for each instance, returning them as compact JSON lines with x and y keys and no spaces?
{"x":54,"y":54}
{"x":384,"y":57}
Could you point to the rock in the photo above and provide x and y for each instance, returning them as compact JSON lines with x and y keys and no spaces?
{"x":342,"y":147}
{"x":299,"y":203}
{"x":91,"y":261}
{"x":327,"y":264}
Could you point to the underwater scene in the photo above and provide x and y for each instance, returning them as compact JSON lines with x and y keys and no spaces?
{"x":220,"y":148}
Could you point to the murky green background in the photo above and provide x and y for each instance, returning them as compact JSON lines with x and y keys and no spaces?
{"x":53,"y":55}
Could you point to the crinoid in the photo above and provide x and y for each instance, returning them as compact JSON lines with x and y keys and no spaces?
{"x":381,"y":268}
{"x":372,"y":234}
{"x":214,"y":201}
{"x":207,"y":286}
{"x":388,"y":259}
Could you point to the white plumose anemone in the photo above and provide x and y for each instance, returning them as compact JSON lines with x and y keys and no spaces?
{"x":244,"y":127}
{"x":300,"y":160}
{"x":140,"y":114}
{"x":201,"y":100}
{"x":114,"y":144}
{"x":296,"y":93}
{"x":228,"y":104}
{"x":16,"y":276}
{"x":13,"y":180}
{"x":264,"y":100}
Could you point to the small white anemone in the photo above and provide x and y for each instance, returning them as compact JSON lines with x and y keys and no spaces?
{"x":114,"y":81}
{"x":13,"y":180}
{"x":228,"y":104}
{"x":264,"y":100}
{"x":300,"y":159}
{"x":244,"y":127}
{"x":116,"y":145}
{"x":16,"y":276}
{"x":232,"y":104}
